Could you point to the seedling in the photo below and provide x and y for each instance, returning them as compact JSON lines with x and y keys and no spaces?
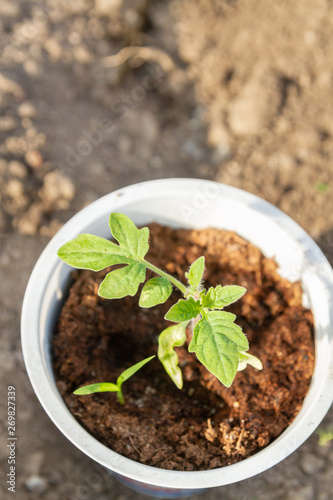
{"x":322,"y":187}
{"x":217,"y":341}
{"x":325,"y":435}
{"x":109,"y":387}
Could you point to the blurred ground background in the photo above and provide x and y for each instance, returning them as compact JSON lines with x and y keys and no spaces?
{"x":99,"y":94}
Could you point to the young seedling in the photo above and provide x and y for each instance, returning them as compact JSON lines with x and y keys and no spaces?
{"x":217,"y":341}
{"x":109,"y":387}
{"x":322,"y":187}
{"x":325,"y":435}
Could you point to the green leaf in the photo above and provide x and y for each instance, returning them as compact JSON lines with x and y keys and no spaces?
{"x":207,"y":300}
{"x":124,"y":281}
{"x":221,"y":296}
{"x":92,"y":252}
{"x":184,"y":310}
{"x":171,"y":337}
{"x":248,"y":359}
{"x":134,"y":240}
{"x":217,"y":342}
{"x":131,"y":370}
{"x":195,"y":273}
{"x":155,"y":291}
{"x":92,"y":388}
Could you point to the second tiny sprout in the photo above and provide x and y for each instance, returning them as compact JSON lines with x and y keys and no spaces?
{"x":109,"y":387}
{"x":219,"y":344}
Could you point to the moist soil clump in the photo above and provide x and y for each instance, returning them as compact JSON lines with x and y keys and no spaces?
{"x":205,"y":425}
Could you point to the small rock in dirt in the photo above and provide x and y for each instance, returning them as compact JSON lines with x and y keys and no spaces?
{"x":281,"y":162}
{"x":77,"y":7}
{"x":82,"y":55}
{"x":57,"y":191}
{"x":34,"y":159}
{"x":7,"y":123}
{"x":17,"y":169}
{"x":177,"y":82}
{"x":36,"y":484}
{"x":27,"y":124}
{"x":14,"y":189}
{"x":312,"y":464}
{"x":32,"y":68}
{"x":10,"y":87}
{"x":132,"y":18}
{"x":26,"y":110}
{"x":31,"y":220}
{"x":74,"y":38}
{"x":8,"y":8}
{"x":108,"y":7}
{"x":217,"y":136}
{"x":305,"y":493}
{"x":51,"y":229}
{"x":54,"y":49}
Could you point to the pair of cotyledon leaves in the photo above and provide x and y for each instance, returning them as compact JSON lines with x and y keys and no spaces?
{"x":217,"y":341}
{"x":110,"y":387}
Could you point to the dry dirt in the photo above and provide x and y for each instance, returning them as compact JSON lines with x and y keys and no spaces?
{"x":235,"y":91}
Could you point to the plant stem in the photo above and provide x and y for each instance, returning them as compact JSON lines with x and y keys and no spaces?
{"x":172,"y":280}
{"x":194,"y":322}
{"x":120,"y":397}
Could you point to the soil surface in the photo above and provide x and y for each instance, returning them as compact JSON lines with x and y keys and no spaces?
{"x":205,"y":425}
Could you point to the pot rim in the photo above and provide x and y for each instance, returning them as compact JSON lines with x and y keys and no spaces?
{"x":35,"y":341}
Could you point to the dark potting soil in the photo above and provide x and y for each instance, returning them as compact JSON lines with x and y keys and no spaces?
{"x":205,"y":425}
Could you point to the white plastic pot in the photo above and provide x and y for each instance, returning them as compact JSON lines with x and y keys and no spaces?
{"x":194,"y":204}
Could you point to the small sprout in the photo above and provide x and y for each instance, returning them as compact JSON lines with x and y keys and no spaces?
{"x":322,"y":187}
{"x":109,"y":387}
{"x":216,"y":340}
{"x":325,"y":436}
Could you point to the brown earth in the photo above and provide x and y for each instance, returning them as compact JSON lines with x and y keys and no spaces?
{"x":205,"y":425}
{"x":264,"y":71}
